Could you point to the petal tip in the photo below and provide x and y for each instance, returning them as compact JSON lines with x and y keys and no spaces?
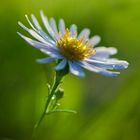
{"x":110,"y":74}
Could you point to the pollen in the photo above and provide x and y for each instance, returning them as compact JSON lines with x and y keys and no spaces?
{"x":73,"y":48}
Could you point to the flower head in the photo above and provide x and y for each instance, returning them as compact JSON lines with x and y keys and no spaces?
{"x":73,"y":48}
{"x":77,"y":51}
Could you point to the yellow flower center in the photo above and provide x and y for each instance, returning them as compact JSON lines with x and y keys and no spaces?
{"x":73,"y":48}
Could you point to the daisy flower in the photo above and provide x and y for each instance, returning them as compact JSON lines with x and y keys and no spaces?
{"x":70,"y":49}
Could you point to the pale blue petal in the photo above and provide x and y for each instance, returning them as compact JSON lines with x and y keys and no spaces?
{"x":38,"y":45}
{"x":30,"y":23}
{"x":54,"y":54}
{"x":76,"y":69}
{"x":110,"y":64}
{"x":47,"y":26}
{"x":32,"y":32}
{"x":103,"y":52}
{"x":110,"y":73}
{"x":119,"y":64}
{"x":39,"y":30}
{"x":73,"y":30}
{"x":61,"y":26}
{"x":98,"y":70}
{"x":94,"y":40}
{"x":61,"y":65}
{"x":45,"y":60}
{"x":36,"y":23}
{"x":84,"y":33}
{"x":53,"y":25}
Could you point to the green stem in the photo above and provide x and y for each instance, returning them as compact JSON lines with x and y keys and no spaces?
{"x":57,"y":81}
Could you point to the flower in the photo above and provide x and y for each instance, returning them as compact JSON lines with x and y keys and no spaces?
{"x":77,"y":51}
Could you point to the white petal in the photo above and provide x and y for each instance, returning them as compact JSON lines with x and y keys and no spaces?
{"x":61,"y":65}
{"x":37,"y":44}
{"x":98,"y":70}
{"x":103,"y":52}
{"x":53,"y":25}
{"x":61,"y":26}
{"x":76,"y":69}
{"x":84,"y":33}
{"x":116,"y":65}
{"x":73,"y":30}
{"x":47,"y":26}
{"x":94,"y":40}
{"x":36,"y":23}
{"x":109,"y":73}
{"x":38,"y":30}
{"x":54,"y":54}
{"x":33,"y":33}
{"x":30,"y":23}
{"x":45,"y":60}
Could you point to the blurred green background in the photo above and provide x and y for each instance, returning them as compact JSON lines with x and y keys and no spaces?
{"x":108,"y":108}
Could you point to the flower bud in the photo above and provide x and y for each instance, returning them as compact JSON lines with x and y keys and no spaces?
{"x":59,"y":93}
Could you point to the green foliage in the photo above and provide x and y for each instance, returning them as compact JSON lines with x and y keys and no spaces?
{"x":108,"y":109}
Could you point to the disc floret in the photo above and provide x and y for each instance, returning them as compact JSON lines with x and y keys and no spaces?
{"x":73,"y":48}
